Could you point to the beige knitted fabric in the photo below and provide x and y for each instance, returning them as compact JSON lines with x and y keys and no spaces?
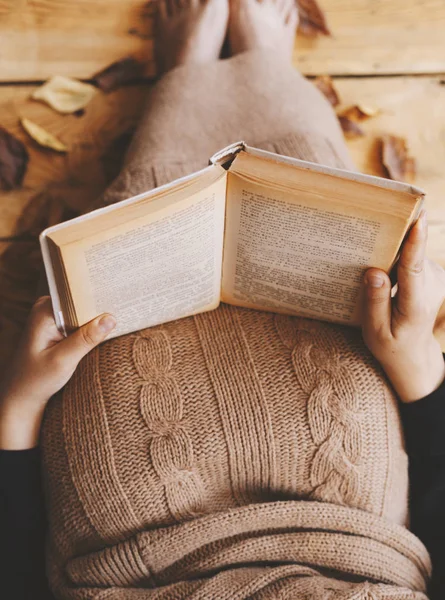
{"x":234,"y":454}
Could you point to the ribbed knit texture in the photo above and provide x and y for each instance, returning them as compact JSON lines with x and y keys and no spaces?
{"x":234,"y":454}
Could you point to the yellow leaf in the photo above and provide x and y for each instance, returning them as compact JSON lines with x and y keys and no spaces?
{"x":368,"y":111}
{"x":359,"y":112}
{"x":42,"y":137}
{"x":65,"y":95}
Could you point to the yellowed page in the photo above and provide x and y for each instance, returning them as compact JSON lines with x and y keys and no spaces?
{"x":157,"y":268}
{"x":300,"y":252}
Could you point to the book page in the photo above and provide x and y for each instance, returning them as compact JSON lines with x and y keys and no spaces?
{"x":157,"y":268}
{"x":296,"y":252}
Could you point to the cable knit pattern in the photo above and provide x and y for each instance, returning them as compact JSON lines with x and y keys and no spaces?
{"x":234,"y":455}
{"x":161,"y":402}
{"x":333,"y":410}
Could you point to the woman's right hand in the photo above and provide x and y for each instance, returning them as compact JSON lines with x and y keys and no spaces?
{"x":44,"y":362}
{"x":400,"y":331}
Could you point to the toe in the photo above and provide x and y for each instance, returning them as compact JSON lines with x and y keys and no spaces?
{"x":289,"y":9}
{"x":292,"y":16}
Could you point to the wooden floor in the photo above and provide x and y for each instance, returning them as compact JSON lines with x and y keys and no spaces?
{"x":388,"y":54}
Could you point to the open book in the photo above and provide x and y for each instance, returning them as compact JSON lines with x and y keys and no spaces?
{"x":253,"y":229}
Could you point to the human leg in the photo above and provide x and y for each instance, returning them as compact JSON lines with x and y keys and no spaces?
{"x":200,"y":106}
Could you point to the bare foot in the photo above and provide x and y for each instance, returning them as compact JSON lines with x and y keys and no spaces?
{"x":190,"y":31}
{"x":263,"y":24}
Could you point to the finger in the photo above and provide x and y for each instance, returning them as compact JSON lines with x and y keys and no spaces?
{"x":78,"y":344}
{"x":410,"y":269}
{"x":292,"y":17}
{"x":41,"y":304}
{"x":376,"y":320}
{"x":41,"y":328}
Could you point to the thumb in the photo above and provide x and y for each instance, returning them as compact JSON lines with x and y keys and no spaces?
{"x":87,"y":337}
{"x":377,"y":304}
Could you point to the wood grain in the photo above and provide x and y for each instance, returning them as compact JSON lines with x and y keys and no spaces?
{"x":412,"y":107}
{"x":77,"y":38}
{"x":54,"y":182}
{"x":377,"y":37}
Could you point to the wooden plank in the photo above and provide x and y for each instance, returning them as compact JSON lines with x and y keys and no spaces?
{"x":77,"y":38}
{"x":376,"y":37}
{"x":54,"y":182}
{"x":412,"y":107}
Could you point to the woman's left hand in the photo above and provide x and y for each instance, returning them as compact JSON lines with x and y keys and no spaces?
{"x":43,"y":364}
{"x":400,"y":331}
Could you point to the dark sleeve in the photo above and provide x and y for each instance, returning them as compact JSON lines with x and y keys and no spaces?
{"x":22,"y":526}
{"x":424,"y":424}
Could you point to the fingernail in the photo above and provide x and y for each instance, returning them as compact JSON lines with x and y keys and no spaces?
{"x":375,"y":281}
{"x":106,"y":323}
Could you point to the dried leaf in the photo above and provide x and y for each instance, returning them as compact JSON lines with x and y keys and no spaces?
{"x":118,"y":74}
{"x":13,"y":161}
{"x":42,"y":137}
{"x":358,"y":112}
{"x":396,"y":159}
{"x":41,"y":211}
{"x":312,"y":19}
{"x":367,"y":112}
{"x":351,"y":129}
{"x":326,"y":86}
{"x":65,"y":95}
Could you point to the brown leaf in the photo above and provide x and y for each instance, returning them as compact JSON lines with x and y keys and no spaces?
{"x":396,"y":159}
{"x":65,"y":95}
{"x":312,"y":19}
{"x":13,"y":161}
{"x":41,"y":211}
{"x":118,"y":74}
{"x":359,"y":112}
{"x":43,"y":137}
{"x":351,"y":129}
{"x":326,"y":86}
